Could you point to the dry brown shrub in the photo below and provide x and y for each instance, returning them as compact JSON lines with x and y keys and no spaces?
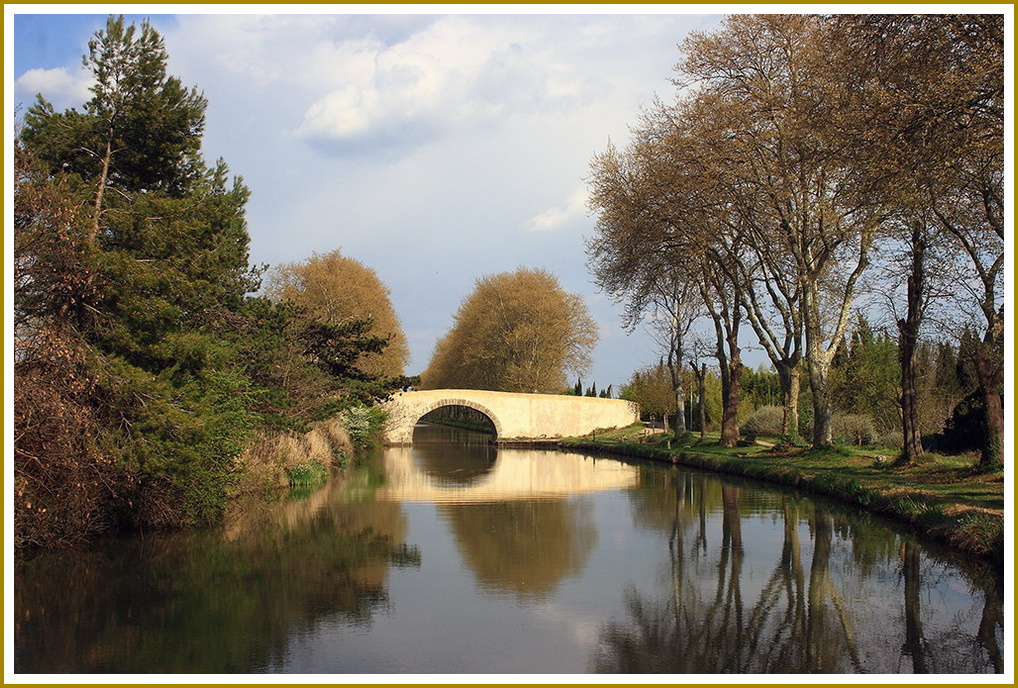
{"x":265,"y":462}
{"x":63,"y":484}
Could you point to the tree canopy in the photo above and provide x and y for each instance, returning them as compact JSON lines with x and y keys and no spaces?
{"x":335,"y":289}
{"x":801,"y":152}
{"x":143,"y":364}
{"x":516,"y":332}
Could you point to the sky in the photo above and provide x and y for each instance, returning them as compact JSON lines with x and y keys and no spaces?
{"x":435,"y":148}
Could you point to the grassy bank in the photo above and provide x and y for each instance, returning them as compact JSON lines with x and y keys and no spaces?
{"x":944,"y":497}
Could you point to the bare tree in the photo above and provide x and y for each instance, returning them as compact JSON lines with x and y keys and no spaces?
{"x":659,"y":228}
{"x":768,"y":102}
{"x":674,"y":309}
{"x":929,"y":129}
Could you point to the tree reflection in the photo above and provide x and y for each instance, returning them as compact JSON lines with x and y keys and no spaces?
{"x":523,"y":547}
{"x":795,"y":619}
{"x":214,"y":602}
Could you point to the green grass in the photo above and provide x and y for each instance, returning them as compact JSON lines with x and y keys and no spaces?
{"x":312,"y":473}
{"x":946,"y":497}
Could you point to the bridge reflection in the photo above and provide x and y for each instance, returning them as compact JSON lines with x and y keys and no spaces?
{"x":448,"y":473}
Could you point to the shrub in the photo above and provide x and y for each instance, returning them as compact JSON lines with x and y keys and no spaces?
{"x":764,"y":421}
{"x":966,"y":429}
{"x":364,"y":424}
{"x":893,"y":439}
{"x":980,"y":533}
{"x":854,"y":429}
{"x":307,"y":473}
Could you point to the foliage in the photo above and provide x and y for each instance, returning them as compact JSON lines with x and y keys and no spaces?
{"x":143,"y":368}
{"x":517,"y":332}
{"x":651,"y":388}
{"x":966,"y":428}
{"x":866,"y":379}
{"x":800,"y":151}
{"x":854,"y":429}
{"x":334,"y":289}
{"x":307,"y":474}
{"x":363,"y":423}
{"x":765,"y":421}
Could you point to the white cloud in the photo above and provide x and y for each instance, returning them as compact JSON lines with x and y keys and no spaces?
{"x":552,"y":219}
{"x":59,"y":86}
{"x":456,"y":73}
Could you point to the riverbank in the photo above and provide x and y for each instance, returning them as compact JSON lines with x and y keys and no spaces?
{"x":943,"y":498}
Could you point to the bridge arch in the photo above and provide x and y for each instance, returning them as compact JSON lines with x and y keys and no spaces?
{"x":467,"y":403}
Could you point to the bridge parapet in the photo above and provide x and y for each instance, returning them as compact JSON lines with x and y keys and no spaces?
{"x":516,"y":417}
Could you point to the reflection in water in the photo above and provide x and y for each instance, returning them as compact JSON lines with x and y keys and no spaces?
{"x":523,"y":547}
{"x":512,"y":518}
{"x":414,"y":474}
{"x":528,"y":562}
{"x":824,"y":608}
{"x":453,"y":457}
{"x":209,"y":602}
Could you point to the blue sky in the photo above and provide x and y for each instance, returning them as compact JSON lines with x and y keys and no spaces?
{"x":434,"y":148}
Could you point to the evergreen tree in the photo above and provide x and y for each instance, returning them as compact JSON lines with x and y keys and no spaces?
{"x":135,"y":328}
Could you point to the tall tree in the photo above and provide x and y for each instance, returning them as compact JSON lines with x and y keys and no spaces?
{"x":516,"y":332}
{"x":165,"y":410}
{"x":929,"y":129}
{"x":335,"y":289}
{"x":773,"y":97}
{"x":659,"y":226}
{"x":140,"y":131}
{"x":967,"y":198}
{"x":675,"y":308}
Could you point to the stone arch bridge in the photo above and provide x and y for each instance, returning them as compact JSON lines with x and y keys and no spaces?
{"x":516,"y":417}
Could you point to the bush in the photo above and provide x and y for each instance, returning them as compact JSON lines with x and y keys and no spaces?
{"x":854,"y":429}
{"x":980,"y":533}
{"x":966,"y":428}
{"x":311,"y":473}
{"x":892,"y":438}
{"x":765,"y":421}
{"x":272,"y":461}
{"x":364,"y":424}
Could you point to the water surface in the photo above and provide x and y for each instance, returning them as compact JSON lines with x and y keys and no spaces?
{"x":452,"y":557}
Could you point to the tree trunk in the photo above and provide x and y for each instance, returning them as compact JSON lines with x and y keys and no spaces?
{"x":823,"y":432}
{"x":908,"y":343}
{"x":701,"y":394}
{"x":731,"y":392}
{"x":791,"y":380}
{"x":675,"y":371}
{"x":912,"y":440}
{"x":988,"y":374}
{"x":101,"y":190}
{"x":818,"y":366}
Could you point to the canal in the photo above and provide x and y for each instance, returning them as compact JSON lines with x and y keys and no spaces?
{"x":452,"y":557}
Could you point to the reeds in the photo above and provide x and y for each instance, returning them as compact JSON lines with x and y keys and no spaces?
{"x":281,"y":459}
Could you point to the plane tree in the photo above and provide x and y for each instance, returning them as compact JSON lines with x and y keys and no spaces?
{"x":516,"y":332}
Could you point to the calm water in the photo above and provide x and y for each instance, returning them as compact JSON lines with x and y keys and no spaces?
{"x":454,"y":557}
